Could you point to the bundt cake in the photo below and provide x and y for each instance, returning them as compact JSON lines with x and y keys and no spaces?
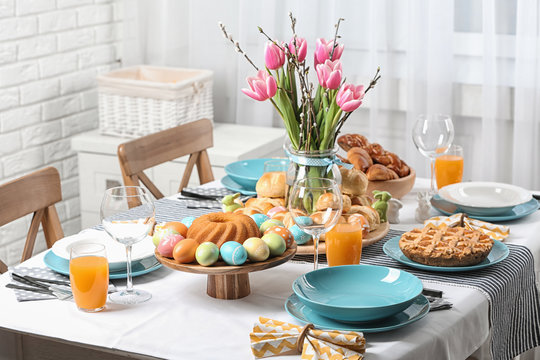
{"x":221,"y":227}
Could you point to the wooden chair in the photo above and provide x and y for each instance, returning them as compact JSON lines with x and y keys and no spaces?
{"x":148,"y":151}
{"x":34,"y":193}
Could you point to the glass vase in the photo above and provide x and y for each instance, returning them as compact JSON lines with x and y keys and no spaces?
{"x":310,"y":164}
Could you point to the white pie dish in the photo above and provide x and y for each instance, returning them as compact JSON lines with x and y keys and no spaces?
{"x":116,"y":252}
{"x":485,"y":198}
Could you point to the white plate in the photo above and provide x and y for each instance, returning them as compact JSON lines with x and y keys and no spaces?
{"x":116,"y":252}
{"x":485,"y":198}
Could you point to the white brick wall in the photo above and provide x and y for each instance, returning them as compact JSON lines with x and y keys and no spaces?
{"x":50,"y":54}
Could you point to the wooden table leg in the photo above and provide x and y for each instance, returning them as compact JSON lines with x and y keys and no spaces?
{"x":228,"y":287}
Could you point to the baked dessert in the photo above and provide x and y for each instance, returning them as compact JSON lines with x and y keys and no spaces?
{"x":271,"y":185}
{"x":457,"y":246}
{"x":348,"y":141}
{"x":222,"y":227}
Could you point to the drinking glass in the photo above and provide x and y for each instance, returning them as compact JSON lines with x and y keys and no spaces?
{"x":315,"y":205}
{"x":449,"y":167}
{"x":127,"y":215}
{"x":276,"y":165}
{"x":89,"y":276}
{"x":344,"y":244}
{"x":432,"y":135}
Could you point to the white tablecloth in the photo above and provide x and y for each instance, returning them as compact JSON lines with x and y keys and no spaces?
{"x":182,"y":322}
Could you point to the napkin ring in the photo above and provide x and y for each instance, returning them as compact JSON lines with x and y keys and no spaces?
{"x":302,"y":336}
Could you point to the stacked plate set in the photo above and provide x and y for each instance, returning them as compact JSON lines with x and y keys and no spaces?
{"x":365,"y":298}
{"x":142,"y":254}
{"x":488,"y":201}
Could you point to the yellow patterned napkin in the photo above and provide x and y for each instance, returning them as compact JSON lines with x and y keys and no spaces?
{"x":497,"y":232}
{"x":273,"y":337}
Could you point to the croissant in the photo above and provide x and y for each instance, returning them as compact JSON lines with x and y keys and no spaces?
{"x":348,"y":141}
{"x":371,"y":215}
{"x":359,"y":158}
{"x":353,"y":182}
{"x":380,"y":172}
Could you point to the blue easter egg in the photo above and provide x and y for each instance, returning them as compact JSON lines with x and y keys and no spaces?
{"x":259,"y":219}
{"x":187,"y":220}
{"x":299,"y":236}
{"x":233,"y":253}
{"x":304,"y":220}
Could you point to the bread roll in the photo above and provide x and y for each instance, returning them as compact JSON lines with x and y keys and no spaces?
{"x":379,"y":172}
{"x":349,"y":141}
{"x":363,"y":200}
{"x":327,"y":200}
{"x":272,"y":185}
{"x":371,"y":215}
{"x":353,"y":182}
{"x":359,"y":158}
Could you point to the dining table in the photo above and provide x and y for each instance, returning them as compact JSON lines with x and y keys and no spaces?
{"x":181,"y":321}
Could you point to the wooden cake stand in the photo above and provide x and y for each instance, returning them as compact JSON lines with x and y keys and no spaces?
{"x":372,"y":237}
{"x":226,"y":281}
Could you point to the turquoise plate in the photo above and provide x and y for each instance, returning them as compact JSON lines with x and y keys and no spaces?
{"x":517,"y":211}
{"x":246,"y":173}
{"x":144,"y":266}
{"x":417,"y":310}
{"x":232,"y":185}
{"x":357,"y":292}
{"x":498,"y":253}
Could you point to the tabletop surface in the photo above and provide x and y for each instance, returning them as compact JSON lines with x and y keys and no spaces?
{"x":181,"y":321}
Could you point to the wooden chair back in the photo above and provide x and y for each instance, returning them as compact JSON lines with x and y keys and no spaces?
{"x":34,"y":193}
{"x":191,"y":139}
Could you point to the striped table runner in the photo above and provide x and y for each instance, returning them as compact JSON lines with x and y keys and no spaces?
{"x":509,"y":286}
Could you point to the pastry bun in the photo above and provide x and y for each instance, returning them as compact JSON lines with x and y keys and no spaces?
{"x":272,"y":185}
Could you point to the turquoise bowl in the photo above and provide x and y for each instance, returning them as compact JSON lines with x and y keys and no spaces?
{"x":357,"y":293}
{"x":247,"y":172}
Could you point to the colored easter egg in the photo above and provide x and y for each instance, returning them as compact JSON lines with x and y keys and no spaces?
{"x":269,"y":223}
{"x":299,"y":236}
{"x":283,"y":232}
{"x":177,"y":227}
{"x":184,"y":251}
{"x":257,"y":249}
{"x":303,"y":220}
{"x":233,"y":253}
{"x":273,"y":211}
{"x":207,"y":253}
{"x":259,"y":219}
{"x":275,"y":243}
{"x":167,"y":244}
{"x":188,"y":220}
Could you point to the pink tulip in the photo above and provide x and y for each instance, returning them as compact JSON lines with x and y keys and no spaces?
{"x":263,"y":86}
{"x":349,"y":97}
{"x":274,"y":57}
{"x":323,"y":49}
{"x":329,"y":74}
{"x":301,"y":45}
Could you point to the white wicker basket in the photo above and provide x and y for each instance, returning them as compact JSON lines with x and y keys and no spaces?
{"x":141,"y":100}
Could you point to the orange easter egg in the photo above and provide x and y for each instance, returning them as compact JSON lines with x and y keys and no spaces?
{"x":283,"y":232}
{"x":184,"y":251}
{"x":176,"y":226}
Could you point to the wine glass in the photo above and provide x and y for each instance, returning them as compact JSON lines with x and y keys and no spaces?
{"x":315,"y":205}
{"x":432,"y":136}
{"x":127,"y":215}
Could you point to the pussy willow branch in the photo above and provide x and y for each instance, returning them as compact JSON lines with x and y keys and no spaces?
{"x":374,"y":80}
{"x":236,"y":45}
{"x":336,"y":36}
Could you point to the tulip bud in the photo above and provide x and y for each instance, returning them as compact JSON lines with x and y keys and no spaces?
{"x":349,"y":97}
{"x":274,"y":57}
{"x":262,"y":87}
{"x":301,"y":45}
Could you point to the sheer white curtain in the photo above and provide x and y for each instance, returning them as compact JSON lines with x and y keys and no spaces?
{"x":477,"y":60}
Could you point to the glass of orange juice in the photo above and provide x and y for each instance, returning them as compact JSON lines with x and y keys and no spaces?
{"x":89,"y":276}
{"x":344,"y":244}
{"x":449,"y":166}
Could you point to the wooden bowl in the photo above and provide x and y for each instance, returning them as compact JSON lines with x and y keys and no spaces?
{"x":227,"y":281}
{"x":398,"y":187}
